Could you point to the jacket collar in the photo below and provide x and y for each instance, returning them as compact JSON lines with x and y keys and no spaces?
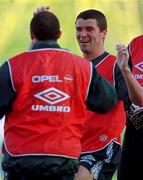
{"x":45,"y":44}
{"x":100,"y":58}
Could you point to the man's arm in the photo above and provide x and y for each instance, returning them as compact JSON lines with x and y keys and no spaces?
{"x":134,"y":89}
{"x":102,"y":95}
{"x":7,"y":93}
{"x":121,"y":87}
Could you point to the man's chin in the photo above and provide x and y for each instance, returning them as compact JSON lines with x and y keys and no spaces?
{"x":84,"y":50}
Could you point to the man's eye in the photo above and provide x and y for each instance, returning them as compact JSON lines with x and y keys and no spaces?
{"x":78,"y":29}
{"x":89,"y":29}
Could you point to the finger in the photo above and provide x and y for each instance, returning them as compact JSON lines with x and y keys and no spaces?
{"x":36,"y":11}
{"x":120,"y":46}
{"x":121,"y":49}
{"x":41,"y":9}
{"x":45,"y":8}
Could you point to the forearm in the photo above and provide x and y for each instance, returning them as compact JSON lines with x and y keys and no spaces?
{"x":121,"y":87}
{"x":134,"y":89}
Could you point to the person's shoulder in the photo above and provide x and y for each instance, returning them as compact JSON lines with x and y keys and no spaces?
{"x":137,"y":39}
{"x":135,"y":44}
{"x":111,"y":57}
{"x":77,"y":57}
{"x":17,"y":55}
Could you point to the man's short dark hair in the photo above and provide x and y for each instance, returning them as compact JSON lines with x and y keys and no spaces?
{"x":94,"y":14}
{"x":45,"y":26}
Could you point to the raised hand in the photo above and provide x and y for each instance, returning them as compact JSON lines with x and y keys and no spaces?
{"x":122,"y":57}
{"x":41,"y":9}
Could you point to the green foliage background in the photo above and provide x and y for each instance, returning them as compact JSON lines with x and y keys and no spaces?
{"x":124,"y":19}
{"x":124,"y":22}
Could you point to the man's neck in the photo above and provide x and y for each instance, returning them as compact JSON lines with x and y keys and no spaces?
{"x":45,"y":44}
{"x":93,"y":55}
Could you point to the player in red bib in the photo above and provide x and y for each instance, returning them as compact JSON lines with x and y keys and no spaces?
{"x":101,"y":143}
{"x":44,"y":93}
{"x":132,"y":153}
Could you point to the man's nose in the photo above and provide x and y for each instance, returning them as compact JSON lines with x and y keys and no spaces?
{"x":83,"y":33}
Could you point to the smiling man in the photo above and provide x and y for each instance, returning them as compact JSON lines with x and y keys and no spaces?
{"x":101,"y":145}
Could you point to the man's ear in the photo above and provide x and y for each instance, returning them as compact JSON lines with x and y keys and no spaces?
{"x":32,"y":36}
{"x":59,"y":34}
{"x":104,"y":33}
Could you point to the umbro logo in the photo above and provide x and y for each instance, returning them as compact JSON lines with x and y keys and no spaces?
{"x":52,"y":96}
{"x":139,"y":66}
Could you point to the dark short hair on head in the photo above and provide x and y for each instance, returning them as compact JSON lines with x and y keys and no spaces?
{"x":94,"y":14}
{"x":45,"y":26}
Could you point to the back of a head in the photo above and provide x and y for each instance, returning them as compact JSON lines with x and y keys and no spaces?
{"x":94,"y":14}
{"x":45,"y":26}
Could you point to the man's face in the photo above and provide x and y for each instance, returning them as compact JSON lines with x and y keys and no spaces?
{"x":89,"y":35}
